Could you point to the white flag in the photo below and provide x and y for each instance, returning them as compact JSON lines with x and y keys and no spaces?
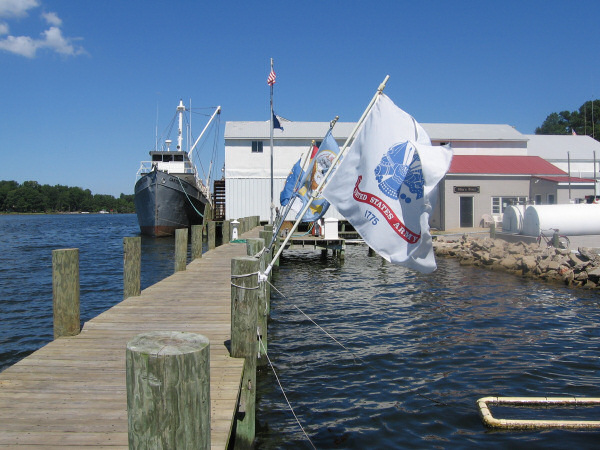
{"x":386,"y":183}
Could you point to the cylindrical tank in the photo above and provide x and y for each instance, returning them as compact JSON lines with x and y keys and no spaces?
{"x":512,"y":219}
{"x":573,"y":220}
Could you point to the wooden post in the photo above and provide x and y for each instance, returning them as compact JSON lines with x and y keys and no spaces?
{"x":208,"y":213}
{"x":212,"y":226}
{"x":371,"y":252}
{"x":226,"y":232}
{"x":555,"y":241}
{"x":254,"y":246}
{"x":181,"y":238}
{"x":493,"y":230}
{"x":65,"y":292}
{"x":244,"y":342}
{"x":168,"y":390}
{"x":132,"y":266}
{"x":197,"y":241}
{"x":275,"y":249}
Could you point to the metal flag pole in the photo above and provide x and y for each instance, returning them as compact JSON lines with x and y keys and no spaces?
{"x":305,"y":167}
{"x":287,"y":207}
{"x":319,"y":188}
{"x":271,"y":140}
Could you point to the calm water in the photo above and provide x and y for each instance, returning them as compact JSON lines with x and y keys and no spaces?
{"x":423,"y":349}
{"x":26,"y":244}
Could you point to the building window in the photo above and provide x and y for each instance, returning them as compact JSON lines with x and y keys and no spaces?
{"x":499,"y":204}
{"x":538,"y":199}
{"x":257,"y":146}
{"x":551,"y":200}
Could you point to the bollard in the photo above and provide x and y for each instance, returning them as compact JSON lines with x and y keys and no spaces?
{"x":226,"y":232}
{"x":132,"y":266}
{"x":244,"y":342}
{"x":212,"y":226}
{"x":555,"y":241}
{"x":197,"y":241}
{"x":267,"y":236}
{"x":181,"y":238}
{"x":65,"y":292}
{"x":168,"y":390}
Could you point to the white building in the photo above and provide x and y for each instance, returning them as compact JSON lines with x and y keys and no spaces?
{"x":248,"y":167}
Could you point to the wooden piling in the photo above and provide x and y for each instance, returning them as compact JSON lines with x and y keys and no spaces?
{"x":253,"y":247}
{"x":197,"y":241}
{"x":212,"y":227}
{"x":276,"y":244}
{"x":132,"y":266}
{"x":244,"y":342}
{"x":181,"y":241}
{"x":493,"y":230}
{"x":226,"y":232}
{"x":168,"y":390}
{"x":65,"y":292}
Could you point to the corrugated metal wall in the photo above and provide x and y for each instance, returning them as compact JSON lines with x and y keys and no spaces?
{"x":252,"y":196}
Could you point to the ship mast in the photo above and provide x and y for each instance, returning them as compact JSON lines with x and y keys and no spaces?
{"x":180,"y":110}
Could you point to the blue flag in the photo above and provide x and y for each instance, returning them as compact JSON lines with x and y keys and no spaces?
{"x":317,"y":169}
{"x":276,"y":123}
{"x":290,"y":183}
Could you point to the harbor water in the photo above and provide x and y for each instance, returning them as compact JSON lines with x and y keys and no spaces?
{"x":412,"y":353}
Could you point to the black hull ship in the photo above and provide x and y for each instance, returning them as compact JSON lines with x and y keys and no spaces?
{"x":168,"y":193}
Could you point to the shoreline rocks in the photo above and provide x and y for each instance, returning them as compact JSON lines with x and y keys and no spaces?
{"x":579,"y":270}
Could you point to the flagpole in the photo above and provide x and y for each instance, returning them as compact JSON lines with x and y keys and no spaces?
{"x":305,"y":167}
{"x":271,"y":140}
{"x":325,"y":179}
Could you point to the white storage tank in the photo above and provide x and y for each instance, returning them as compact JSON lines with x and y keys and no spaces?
{"x":571,"y":220}
{"x":512,"y":221}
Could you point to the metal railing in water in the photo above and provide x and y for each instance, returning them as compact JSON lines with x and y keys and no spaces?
{"x":556,"y":402}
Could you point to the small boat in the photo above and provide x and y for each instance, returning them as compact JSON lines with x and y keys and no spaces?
{"x":168,"y":192}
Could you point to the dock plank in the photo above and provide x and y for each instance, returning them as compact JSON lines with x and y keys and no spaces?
{"x":72,"y":392}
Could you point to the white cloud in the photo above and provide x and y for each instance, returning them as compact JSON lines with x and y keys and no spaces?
{"x":51,"y":39}
{"x":55,"y":41}
{"x":52,"y":18}
{"x":16,"y":8}
{"x":21,"y":45}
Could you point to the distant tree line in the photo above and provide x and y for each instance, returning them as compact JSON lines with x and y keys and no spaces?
{"x":585,"y":121}
{"x":32,"y":197}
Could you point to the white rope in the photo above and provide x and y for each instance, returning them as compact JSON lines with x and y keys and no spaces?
{"x":283,"y":392}
{"x":245,"y":275}
{"x":320,"y":327}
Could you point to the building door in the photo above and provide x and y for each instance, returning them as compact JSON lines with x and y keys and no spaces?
{"x":466,"y":212}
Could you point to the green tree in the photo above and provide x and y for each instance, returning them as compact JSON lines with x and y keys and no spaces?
{"x":584,"y":121}
{"x":33,"y":197}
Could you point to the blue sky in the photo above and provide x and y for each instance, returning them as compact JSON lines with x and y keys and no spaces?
{"x":81,"y":81}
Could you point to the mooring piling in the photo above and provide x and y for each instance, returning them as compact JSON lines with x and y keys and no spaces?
{"x":65,"y":292}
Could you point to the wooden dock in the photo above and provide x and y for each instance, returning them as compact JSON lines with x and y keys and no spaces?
{"x":71,"y":393}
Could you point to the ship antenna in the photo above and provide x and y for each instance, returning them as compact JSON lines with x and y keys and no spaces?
{"x":180,"y":110}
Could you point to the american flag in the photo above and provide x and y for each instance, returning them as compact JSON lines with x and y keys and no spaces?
{"x":271,"y":79}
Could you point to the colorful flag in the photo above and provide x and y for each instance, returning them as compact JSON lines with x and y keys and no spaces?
{"x":387,"y":182}
{"x":290,"y":183}
{"x":573,"y":132}
{"x":315,"y":173}
{"x":271,"y":78}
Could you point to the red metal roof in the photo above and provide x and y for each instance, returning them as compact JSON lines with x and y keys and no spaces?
{"x":503,"y":165}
